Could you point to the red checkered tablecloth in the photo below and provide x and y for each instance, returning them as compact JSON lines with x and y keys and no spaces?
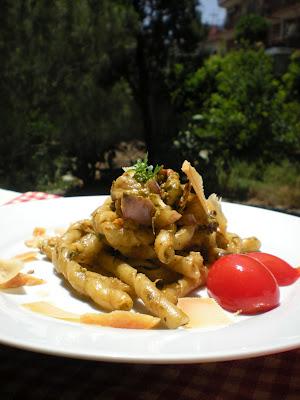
{"x":29,"y":196}
{"x":24,"y":374}
{"x":40,"y":377}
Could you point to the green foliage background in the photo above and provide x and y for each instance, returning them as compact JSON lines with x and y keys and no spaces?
{"x":79,"y":77}
{"x":243,"y":126}
{"x":251,"y":29}
{"x":62,"y":98}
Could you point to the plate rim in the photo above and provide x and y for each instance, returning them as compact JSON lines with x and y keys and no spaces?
{"x":150,"y":359}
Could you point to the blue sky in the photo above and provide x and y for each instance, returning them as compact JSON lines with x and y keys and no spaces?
{"x":211,"y":12}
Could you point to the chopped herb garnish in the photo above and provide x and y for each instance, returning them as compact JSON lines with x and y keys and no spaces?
{"x":142,"y":171}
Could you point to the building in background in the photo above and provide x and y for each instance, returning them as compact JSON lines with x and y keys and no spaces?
{"x":283,"y":15}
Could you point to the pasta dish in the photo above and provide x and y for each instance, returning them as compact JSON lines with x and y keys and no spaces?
{"x":152,"y":241}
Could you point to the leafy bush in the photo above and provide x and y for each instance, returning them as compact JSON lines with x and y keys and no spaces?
{"x":291,"y":78}
{"x":244,"y":115}
{"x":193,"y":89}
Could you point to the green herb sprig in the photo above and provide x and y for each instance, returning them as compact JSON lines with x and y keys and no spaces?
{"x":142,"y":171}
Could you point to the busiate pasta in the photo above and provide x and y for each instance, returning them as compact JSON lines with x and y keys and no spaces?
{"x":152,"y":240}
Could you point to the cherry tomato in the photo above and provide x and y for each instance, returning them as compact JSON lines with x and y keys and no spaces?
{"x":241,"y":283}
{"x":283,"y":272}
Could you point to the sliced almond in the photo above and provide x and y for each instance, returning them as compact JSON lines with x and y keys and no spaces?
{"x":203,"y":312}
{"x":9,"y":269}
{"x":39,"y":231}
{"x":21,"y":280}
{"x":27,"y":256}
{"x":45,"y":308}
{"x":121,"y":319}
{"x":115,"y":319}
{"x":197,"y":183}
{"x":33,"y":242}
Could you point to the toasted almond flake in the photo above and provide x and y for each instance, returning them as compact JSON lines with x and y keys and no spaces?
{"x":33,"y":242}
{"x":21,"y":280}
{"x":203,"y":312}
{"x":121,"y":319}
{"x":30,"y":280}
{"x":39,"y":231}
{"x":9,"y":269}
{"x":214,"y":204}
{"x":115,"y":319}
{"x":27,"y":257}
{"x":48,"y":309}
{"x":197,"y":183}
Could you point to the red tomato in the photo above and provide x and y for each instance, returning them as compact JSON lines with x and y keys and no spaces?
{"x":241,"y":283}
{"x":283,"y":272}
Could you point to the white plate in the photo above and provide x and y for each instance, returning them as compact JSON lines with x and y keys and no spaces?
{"x":267,"y":333}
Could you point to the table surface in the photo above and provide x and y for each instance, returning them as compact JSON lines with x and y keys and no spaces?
{"x":25,"y":374}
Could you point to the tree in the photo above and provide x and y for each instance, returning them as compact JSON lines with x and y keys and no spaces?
{"x":169,"y":31}
{"x":244,"y":114}
{"x":291,"y":78}
{"x":65,"y":97}
{"x":251,"y":29}
{"x":80,"y":75}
